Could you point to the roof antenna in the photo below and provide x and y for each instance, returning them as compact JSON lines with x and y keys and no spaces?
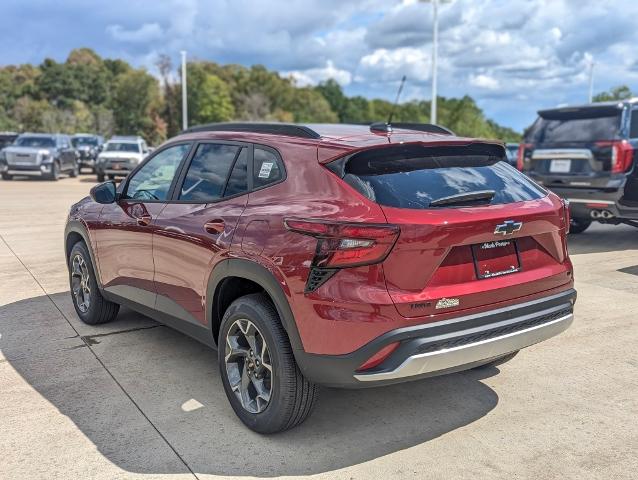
{"x":396,"y":101}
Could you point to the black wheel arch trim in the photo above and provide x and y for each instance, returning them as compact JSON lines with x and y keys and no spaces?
{"x":78,"y":227}
{"x":250,"y":270}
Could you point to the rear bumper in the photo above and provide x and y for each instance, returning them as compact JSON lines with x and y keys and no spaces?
{"x":117,"y":173}
{"x":582,"y":201}
{"x":446,"y":346}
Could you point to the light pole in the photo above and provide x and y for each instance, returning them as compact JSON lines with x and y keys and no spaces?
{"x":591,"y":80}
{"x":435,"y":53}
{"x":184,"y":99}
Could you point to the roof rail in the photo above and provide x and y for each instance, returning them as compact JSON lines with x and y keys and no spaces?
{"x":289,"y":129}
{"x":417,"y":127}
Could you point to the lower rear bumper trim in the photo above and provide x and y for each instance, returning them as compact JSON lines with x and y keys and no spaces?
{"x":446,"y":359}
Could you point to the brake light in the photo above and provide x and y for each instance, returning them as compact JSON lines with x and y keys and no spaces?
{"x":341,"y":245}
{"x":622,"y":155}
{"x":520,"y":159}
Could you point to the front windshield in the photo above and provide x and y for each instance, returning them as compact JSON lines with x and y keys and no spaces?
{"x":36,"y":142}
{"x":84,"y":142}
{"x":122,"y":147}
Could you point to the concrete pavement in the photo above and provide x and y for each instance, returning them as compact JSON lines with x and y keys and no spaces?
{"x":133,"y":399}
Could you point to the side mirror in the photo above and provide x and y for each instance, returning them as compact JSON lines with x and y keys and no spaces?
{"x":104,"y":192}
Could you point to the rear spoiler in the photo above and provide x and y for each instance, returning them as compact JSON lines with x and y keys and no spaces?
{"x":593,"y":111}
{"x":328,"y":153}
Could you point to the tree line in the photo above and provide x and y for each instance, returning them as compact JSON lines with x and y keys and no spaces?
{"x":88,"y":93}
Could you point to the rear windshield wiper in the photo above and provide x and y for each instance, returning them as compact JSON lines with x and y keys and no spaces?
{"x":465,"y":197}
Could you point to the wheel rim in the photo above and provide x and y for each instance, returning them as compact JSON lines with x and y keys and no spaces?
{"x":248,"y":365}
{"x":80,"y":283}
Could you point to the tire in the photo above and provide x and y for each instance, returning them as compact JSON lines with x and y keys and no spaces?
{"x":498,"y":361}
{"x":75,"y":171}
{"x":100,"y":177}
{"x":291,"y":397}
{"x":6,"y":176}
{"x":579,"y":225}
{"x":98,"y":310}
{"x":55,"y":172}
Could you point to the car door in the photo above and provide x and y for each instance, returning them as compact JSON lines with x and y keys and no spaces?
{"x":67,"y":154}
{"x":196,"y":228}
{"x":125,"y":237}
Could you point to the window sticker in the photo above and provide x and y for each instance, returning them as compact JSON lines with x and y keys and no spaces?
{"x":266,"y":168}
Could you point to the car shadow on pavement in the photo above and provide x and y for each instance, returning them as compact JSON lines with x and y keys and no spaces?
{"x":174,"y":381}
{"x":603,"y":238}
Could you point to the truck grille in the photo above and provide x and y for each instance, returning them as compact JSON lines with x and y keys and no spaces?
{"x":22,"y":158}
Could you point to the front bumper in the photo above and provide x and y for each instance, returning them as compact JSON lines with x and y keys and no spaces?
{"x":446,"y":346}
{"x":29,"y":171}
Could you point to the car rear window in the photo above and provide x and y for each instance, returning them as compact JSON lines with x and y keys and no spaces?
{"x":576,"y":125}
{"x":413,"y":178}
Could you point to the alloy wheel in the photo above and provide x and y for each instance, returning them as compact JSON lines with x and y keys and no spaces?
{"x":248,"y":365}
{"x":80,"y":283}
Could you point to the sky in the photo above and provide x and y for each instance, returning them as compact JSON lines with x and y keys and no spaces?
{"x":513,"y":57}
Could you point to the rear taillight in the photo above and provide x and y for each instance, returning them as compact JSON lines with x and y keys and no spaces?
{"x":520,"y":159}
{"x":341,"y":245}
{"x":566,"y":215}
{"x":622,"y":154}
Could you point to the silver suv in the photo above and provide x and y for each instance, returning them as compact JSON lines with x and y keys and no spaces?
{"x":39,"y":154}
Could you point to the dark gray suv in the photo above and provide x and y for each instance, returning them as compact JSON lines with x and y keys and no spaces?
{"x":39,"y":154}
{"x":587,"y":155}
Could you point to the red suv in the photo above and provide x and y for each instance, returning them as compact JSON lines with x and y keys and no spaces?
{"x":340,"y":255}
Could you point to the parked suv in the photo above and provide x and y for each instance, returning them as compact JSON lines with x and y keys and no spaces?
{"x":119,"y":156}
{"x":7,"y":138}
{"x":39,"y":154}
{"x":338,"y":255}
{"x":586,"y":154}
{"x":88,"y":147}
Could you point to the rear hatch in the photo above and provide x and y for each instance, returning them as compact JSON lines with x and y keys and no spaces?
{"x":474,"y":230}
{"x":578,"y":147}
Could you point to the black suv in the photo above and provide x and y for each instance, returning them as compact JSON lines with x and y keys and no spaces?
{"x":7,"y":138}
{"x":88,"y":147}
{"x":586,"y":155}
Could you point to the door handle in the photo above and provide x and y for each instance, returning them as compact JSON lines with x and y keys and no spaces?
{"x":144,"y":220}
{"x":214,"y":226}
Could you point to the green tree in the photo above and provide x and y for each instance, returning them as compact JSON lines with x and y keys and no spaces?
{"x":621,"y":92}
{"x":357,"y":110}
{"x":136,"y":106}
{"x":308,"y":105}
{"x":209,"y":99}
{"x":333,"y":93}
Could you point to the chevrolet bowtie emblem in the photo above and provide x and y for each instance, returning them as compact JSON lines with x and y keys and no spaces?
{"x":508,"y":227}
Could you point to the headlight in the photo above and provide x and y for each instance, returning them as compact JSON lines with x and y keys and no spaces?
{"x":46,"y":157}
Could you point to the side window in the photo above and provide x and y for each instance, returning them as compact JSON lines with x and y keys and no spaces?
{"x":633,"y":129}
{"x":267,"y":168}
{"x":238,"y":180}
{"x":153,"y":180}
{"x":209,"y":171}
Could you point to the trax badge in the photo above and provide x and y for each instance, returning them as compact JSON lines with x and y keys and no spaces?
{"x":508,"y":227}
{"x":447,"y":303}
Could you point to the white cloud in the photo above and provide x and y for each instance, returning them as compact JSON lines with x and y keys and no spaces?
{"x":484,"y":81}
{"x":391,"y":65}
{"x":313,"y":76}
{"x":146,"y":33}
